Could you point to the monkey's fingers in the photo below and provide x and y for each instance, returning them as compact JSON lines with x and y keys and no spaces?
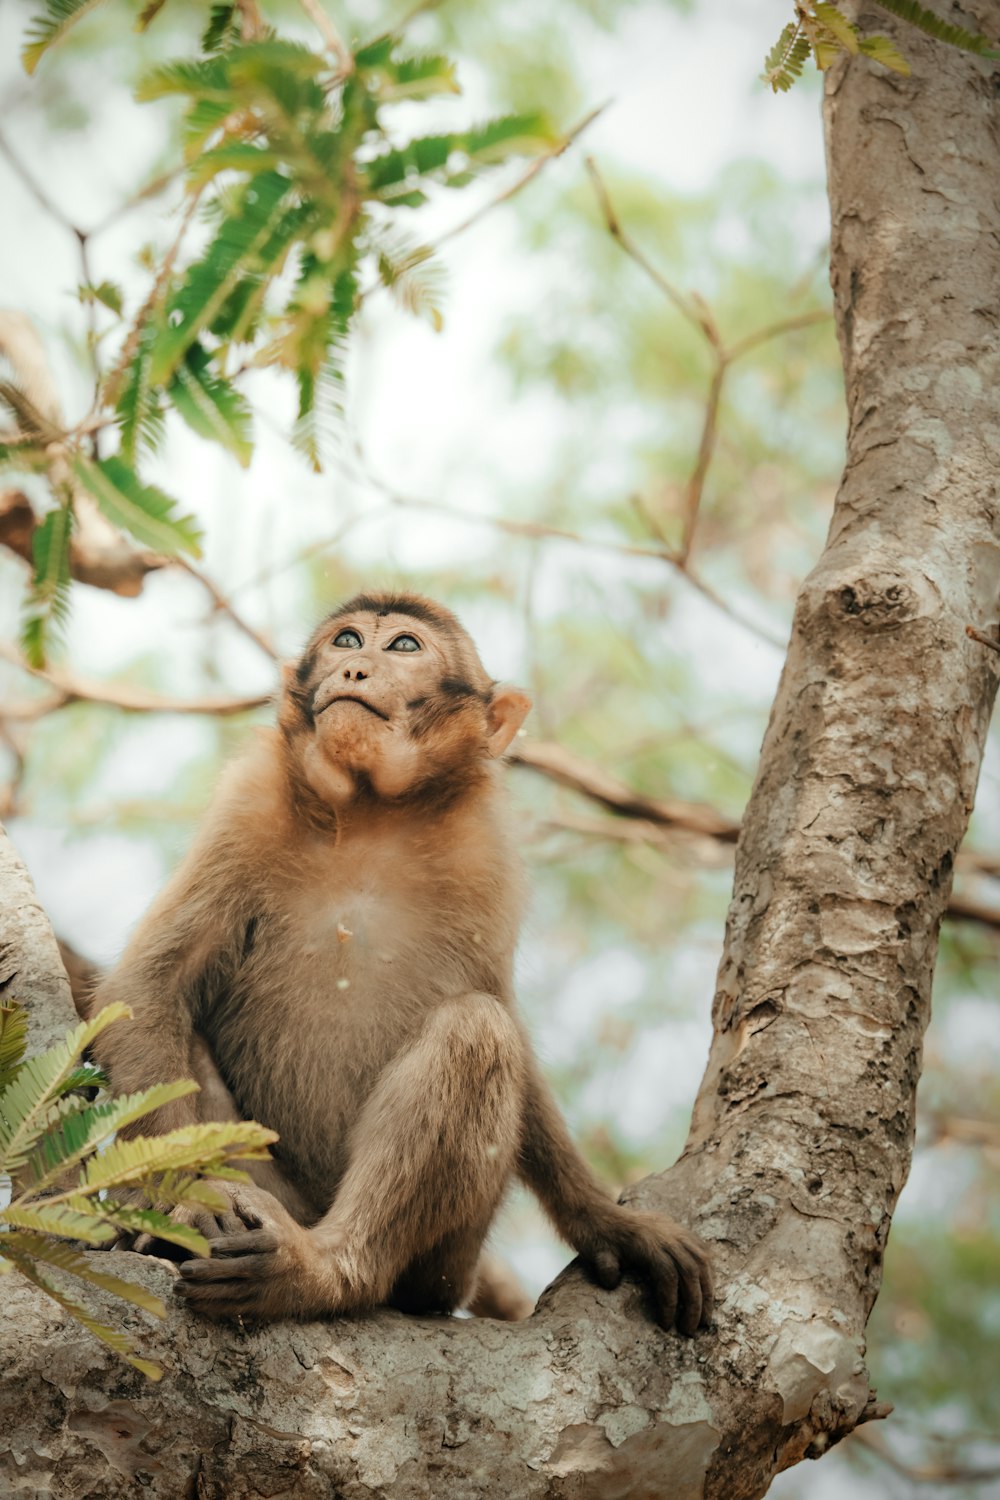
{"x":606,"y":1268}
{"x":251,"y":1242}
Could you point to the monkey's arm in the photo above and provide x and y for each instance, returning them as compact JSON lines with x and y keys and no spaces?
{"x":611,"y":1239}
{"x":182,"y":951}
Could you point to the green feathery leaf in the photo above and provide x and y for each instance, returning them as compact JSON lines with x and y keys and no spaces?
{"x":47,"y":604}
{"x":112,"y":1337}
{"x":943,"y":31}
{"x":212,"y":407}
{"x":13,"y":1040}
{"x":58,"y":1218}
{"x":141,"y":509}
{"x":837,"y":24}
{"x":27,"y":1102}
{"x":786,"y":59}
{"x":222,"y":27}
{"x":881,"y":50}
{"x":140,"y":413}
{"x":246,"y":244}
{"x":131,"y":1163}
{"x":50,"y":26}
{"x":69,"y":1139}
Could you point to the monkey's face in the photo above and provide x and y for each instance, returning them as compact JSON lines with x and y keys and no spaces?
{"x":391,"y":697}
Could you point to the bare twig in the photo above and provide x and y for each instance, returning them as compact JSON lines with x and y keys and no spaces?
{"x":328,"y":31}
{"x":693,"y":308}
{"x":567,"y":769}
{"x":528,"y":175}
{"x":777,"y":330}
{"x":113,"y":382}
{"x":937,"y":1472}
{"x":695,"y":486}
{"x":984,"y":640}
{"x":41,"y":197}
{"x":222,"y":605}
{"x":73,"y":689}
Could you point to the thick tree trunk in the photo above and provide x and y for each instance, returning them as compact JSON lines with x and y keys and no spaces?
{"x":803,"y":1127}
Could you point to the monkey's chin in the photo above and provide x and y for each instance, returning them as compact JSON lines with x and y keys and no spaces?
{"x":337,"y":766}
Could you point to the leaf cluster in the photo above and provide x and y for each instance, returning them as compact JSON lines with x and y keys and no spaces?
{"x":294,"y":162}
{"x":66,"y":1180}
{"x":821,"y":31}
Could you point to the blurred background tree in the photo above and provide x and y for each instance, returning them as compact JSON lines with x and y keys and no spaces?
{"x":617,"y":460}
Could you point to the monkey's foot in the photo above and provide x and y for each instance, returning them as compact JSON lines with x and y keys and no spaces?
{"x":673,"y":1263}
{"x":272,"y":1268}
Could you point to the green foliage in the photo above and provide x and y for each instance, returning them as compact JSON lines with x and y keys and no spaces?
{"x":47,"y":603}
{"x":301,"y":178}
{"x":51,"y":1140}
{"x":942,"y":31}
{"x":821,"y":30}
{"x":51,"y":26}
{"x":141,"y":509}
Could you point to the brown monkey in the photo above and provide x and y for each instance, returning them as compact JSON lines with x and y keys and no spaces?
{"x":334,"y":959}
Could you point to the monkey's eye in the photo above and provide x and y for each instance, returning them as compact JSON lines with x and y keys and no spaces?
{"x":404,"y":643}
{"x":347,"y":638}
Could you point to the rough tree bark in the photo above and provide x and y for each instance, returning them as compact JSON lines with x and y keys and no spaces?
{"x":803,"y":1126}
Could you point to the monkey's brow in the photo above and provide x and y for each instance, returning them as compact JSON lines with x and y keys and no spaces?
{"x":381,"y":605}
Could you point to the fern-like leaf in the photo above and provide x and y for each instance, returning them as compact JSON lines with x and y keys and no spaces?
{"x":141,"y":509}
{"x":843,"y":30}
{"x":112,"y":1337}
{"x":50,"y":26}
{"x":13,"y":1040}
{"x":47,"y":604}
{"x":39,"y":1084}
{"x":246,"y":244}
{"x":222,"y":27}
{"x":132,"y":1163}
{"x":786,"y":59}
{"x":943,"y":31}
{"x":69,"y":1139}
{"x":213,"y":408}
{"x":881,"y":50}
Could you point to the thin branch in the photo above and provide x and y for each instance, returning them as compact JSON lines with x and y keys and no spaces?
{"x":984,"y":640}
{"x":36,"y":190}
{"x":328,"y":31}
{"x":936,"y":1472}
{"x":73,"y":689}
{"x":529,"y":175}
{"x":567,"y":769}
{"x":222,"y":605}
{"x":693,"y":308}
{"x":159,"y":282}
{"x":777,"y":330}
{"x":695,"y":486}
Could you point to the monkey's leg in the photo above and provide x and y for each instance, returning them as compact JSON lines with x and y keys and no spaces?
{"x":432,"y":1152}
{"x":497,"y":1292}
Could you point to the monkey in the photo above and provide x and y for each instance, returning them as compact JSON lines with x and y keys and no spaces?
{"x":334,"y":958}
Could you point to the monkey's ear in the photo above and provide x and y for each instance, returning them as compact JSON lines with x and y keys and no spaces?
{"x":506,"y":713}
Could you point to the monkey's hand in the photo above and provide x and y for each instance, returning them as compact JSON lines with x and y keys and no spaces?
{"x":210,"y":1222}
{"x":673,"y":1263}
{"x":271,"y":1267}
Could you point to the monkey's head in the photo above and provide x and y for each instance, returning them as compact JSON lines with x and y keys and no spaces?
{"x":390,"y":698}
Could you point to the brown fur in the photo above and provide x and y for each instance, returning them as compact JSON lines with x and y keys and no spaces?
{"x":334,"y":959}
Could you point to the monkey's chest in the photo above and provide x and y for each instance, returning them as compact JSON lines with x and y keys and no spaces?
{"x":329,"y":996}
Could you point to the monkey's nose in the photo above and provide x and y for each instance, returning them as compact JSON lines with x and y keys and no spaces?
{"x":354,"y":674}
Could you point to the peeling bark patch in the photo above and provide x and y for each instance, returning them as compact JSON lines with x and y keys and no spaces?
{"x":812,"y":1358}
{"x":663,"y":1462}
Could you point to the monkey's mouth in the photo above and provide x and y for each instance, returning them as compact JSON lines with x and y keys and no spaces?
{"x":350,"y":698}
